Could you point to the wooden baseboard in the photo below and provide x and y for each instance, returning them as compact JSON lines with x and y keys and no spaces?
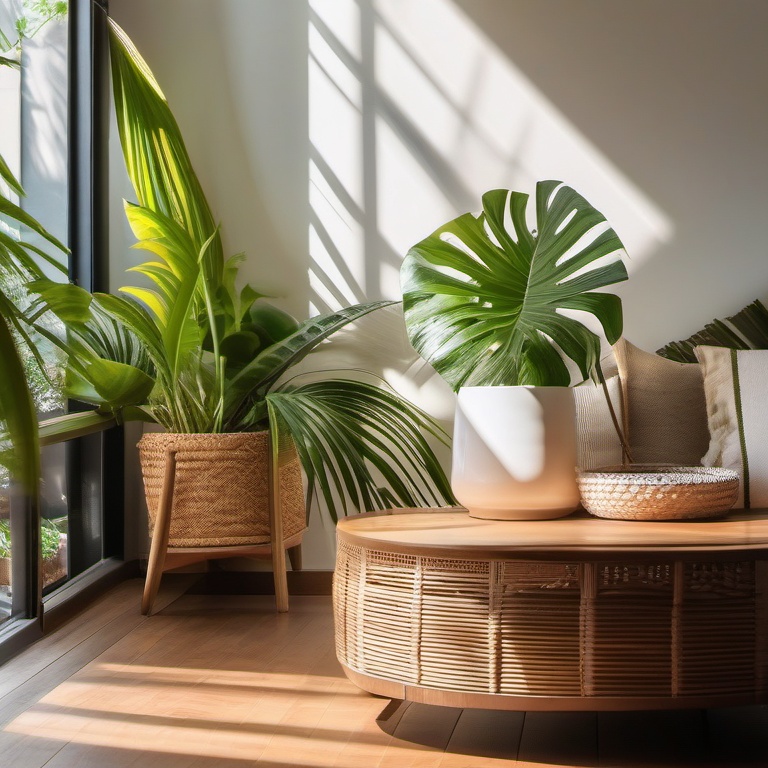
{"x":262,"y":583}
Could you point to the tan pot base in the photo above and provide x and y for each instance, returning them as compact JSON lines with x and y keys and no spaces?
{"x":521,"y":514}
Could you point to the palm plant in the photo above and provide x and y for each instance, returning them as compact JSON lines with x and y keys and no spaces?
{"x":747,"y":329}
{"x":192,"y":351}
{"x":19,"y":260}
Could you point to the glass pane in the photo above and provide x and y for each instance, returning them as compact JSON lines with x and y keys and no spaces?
{"x":33,"y":143}
{"x":5,"y":555}
{"x":54,"y":514}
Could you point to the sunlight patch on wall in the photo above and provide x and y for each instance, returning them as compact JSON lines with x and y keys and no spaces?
{"x":414,"y":113}
{"x":335,"y":242}
{"x":337,"y":273}
{"x":489,"y":125}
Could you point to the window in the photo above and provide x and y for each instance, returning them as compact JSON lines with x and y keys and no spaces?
{"x":52,"y":132}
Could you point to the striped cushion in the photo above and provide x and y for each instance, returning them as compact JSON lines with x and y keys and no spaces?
{"x":597,"y":445}
{"x":736,"y":389}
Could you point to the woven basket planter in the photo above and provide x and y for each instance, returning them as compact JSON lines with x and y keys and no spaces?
{"x":221,"y":491}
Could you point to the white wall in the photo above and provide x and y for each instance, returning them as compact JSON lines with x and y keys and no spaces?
{"x":330,"y":135}
{"x":673,"y":94}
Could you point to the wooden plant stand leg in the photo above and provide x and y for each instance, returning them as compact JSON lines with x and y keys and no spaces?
{"x":294,"y":555}
{"x":276,"y":531}
{"x":159,"y":546}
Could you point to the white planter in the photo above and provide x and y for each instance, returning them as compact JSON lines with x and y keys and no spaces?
{"x":514,"y":452}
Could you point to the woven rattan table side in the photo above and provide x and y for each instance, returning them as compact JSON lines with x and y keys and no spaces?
{"x":579,"y":613}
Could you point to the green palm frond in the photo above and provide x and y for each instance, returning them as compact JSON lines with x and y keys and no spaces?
{"x":155,"y":155}
{"x":107,"y":365}
{"x":484,"y":295}
{"x":17,"y":414}
{"x":19,"y":260}
{"x":17,"y":256}
{"x":747,"y":329}
{"x":254,"y":380}
{"x":176,"y":278}
{"x":362,"y":445}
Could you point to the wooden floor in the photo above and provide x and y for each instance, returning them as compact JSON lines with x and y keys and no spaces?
{"x":225,"y":682}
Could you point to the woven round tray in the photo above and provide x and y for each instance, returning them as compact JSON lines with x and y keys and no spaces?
{"x":658,"y":492}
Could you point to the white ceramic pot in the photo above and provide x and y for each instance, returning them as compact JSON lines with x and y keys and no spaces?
{"x":514,"y":452}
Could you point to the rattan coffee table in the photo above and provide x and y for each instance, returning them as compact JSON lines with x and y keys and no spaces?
{"x":578,"y":613}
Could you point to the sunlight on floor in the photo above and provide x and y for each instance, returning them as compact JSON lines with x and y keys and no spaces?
{"x":205,"y":712}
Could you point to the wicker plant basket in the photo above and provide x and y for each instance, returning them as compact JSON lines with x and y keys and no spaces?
{"x":657,"y":492}
{"x":221,"y":493}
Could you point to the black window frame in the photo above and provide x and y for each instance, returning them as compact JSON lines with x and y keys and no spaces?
{"x":97,"y":457}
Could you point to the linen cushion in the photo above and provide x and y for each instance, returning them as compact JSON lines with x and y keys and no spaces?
{"x":597,"y":444}
{"x":736,"y":386}
{"x":664,"y":407}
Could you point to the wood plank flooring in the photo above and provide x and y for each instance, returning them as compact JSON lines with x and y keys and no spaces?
{"x":225,"y":682}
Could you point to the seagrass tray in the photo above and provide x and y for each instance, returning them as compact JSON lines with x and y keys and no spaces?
{"x":658,"y":492}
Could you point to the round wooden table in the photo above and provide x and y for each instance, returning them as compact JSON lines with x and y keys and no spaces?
{"x":577,"y":613}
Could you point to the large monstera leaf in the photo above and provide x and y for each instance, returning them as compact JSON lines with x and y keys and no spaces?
{"x":483,"y":295}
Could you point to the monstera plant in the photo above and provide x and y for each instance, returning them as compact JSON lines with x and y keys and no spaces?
{"x":489,"y":302}
{"x":484,"y":295}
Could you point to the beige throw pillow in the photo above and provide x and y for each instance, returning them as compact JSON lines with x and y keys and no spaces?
{"x":664,"y":407}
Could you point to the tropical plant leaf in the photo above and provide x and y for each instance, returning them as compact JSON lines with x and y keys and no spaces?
{"x":255,"y":379}
{"x":17,"y":412}
{"x":69,"y":302}
{"x":176,"y":281}
{"x":12,"y":211}
{"x":6,"y":174}
{"x":484,"y":296}
{"x":155,"y":155}
{"x":747,"y":329}
{"x":118,"y":384}
{"x":16,"y":255}
{"x":361,"y":445}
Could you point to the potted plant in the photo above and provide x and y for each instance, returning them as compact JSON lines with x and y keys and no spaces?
{"x":488,"y":302}
{"x":207,"y":359}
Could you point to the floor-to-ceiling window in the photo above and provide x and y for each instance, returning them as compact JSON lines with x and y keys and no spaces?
{"x":53,"y":102}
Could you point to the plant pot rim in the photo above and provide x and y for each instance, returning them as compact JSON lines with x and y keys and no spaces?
{"x":209,"y":434}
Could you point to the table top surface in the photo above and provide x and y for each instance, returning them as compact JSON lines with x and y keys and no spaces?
{"x":451,"y":532}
